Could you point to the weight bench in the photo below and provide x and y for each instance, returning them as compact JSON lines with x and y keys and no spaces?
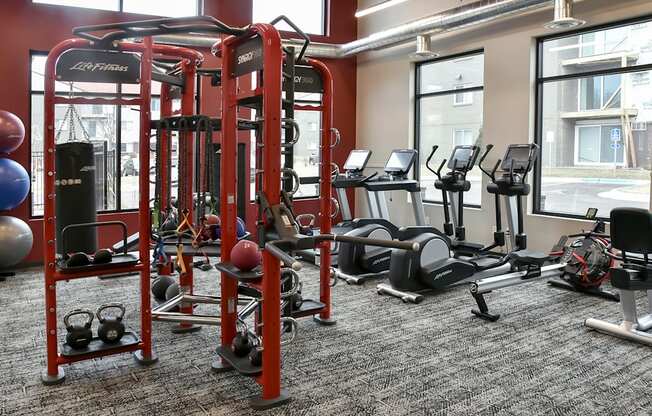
{"x":631,"y":233}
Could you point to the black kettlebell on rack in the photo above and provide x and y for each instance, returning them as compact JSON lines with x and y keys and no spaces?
{"x":241,"y":344}
{"x":256,"y":357}
{"x":79,"y":336}
{"x":111,"y":329}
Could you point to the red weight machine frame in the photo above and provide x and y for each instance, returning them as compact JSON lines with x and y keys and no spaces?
{"x":143,"y":352}
{"x":271,"y":96}
{"x":270,"y":127}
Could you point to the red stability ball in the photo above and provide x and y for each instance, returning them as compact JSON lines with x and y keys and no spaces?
{"x":12,"y":132}
{"x":245,"y":255}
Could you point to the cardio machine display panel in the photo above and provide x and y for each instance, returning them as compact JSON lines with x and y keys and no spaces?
{"x":518,"y":157}
{"x":463,"y":157}
{"x":357,"y":160}
{"x":400,"y":161}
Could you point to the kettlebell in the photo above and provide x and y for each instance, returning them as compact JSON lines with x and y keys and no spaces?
{"x":241,"y":344}
{"x":79,"y":336}
{"x":256,"y":357}
{"x":111,"y":328}
{"x":297,"y":300}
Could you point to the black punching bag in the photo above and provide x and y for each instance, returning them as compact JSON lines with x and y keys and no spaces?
{"x":75,"y":196}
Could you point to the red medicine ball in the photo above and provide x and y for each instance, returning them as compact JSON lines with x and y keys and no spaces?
{"x":245,"y":255}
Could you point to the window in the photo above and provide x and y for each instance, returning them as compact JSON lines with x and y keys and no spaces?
{"x":308,"y":15}
{"x":87,"y":4}
{"x":594,"y":101}
{"x":462,"y":137}
{"x":113,"y":131}
{"x":462,"y":98}
{"x":167,"y":8}
{"x":449,"y":94}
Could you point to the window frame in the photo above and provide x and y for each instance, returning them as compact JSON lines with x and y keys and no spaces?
{"x":418,"y":96}
{"x":118,"y":135}
{"x":541,"y":80}
{"x":199,"y":6}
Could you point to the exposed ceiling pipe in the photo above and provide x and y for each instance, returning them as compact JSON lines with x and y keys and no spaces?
{"x":463,"y":17}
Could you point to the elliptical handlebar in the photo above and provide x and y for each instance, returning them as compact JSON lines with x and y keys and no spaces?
{"x":491,"y":174}
{"x":441,"y":166}
{"x":534,"y":153}
{"x":432,"y":153}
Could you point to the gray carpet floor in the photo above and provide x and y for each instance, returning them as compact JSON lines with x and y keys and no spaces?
{"x":382,"y":358}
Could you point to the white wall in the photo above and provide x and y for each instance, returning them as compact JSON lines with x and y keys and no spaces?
{"x":385,"y":98}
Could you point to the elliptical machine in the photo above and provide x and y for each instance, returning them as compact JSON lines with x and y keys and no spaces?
{"x":453,"y":185}
{"x":357,"y":262}
{"x":435,"y":267}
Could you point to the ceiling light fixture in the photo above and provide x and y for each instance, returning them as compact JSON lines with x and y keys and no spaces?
{"x":564,"y":16}
{"x":424,"y":50}
{"x":378,"y":7}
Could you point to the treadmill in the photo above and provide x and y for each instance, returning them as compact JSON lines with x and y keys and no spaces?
{"x":352,"y":178}
{"x":395,"y":178}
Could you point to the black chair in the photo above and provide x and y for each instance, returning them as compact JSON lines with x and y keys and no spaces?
{"x":631,"y":233}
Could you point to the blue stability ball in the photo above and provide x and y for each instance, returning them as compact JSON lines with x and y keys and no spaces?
{"x":241,"y":230}
{"x":14,"y":183}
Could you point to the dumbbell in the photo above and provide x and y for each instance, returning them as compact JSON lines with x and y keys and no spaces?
{"x":79,"y":336}
{"x":111,"y":328}
{"x":160,"y":286}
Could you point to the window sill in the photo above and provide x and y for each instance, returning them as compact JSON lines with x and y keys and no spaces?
{"x":565,"y":217}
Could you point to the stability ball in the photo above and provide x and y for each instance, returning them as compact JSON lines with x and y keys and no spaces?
{"x":15,"y":241}
{"x":240,"y":227}
{"x":14,"y":183}
{"x":245,"y":255}
{"x":12,"y":132}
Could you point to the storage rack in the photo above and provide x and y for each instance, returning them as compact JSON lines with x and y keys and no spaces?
{"x":100,"y":39}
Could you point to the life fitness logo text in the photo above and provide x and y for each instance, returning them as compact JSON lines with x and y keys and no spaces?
{"x":98,"y":66}
{"x":249,"y":56}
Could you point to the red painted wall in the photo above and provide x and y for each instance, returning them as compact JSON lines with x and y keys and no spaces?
{"x":28,"y":26}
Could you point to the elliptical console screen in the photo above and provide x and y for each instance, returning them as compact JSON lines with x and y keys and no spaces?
{"x":463,"y":158}
{"x":357,"y":160}
{"x":517,"y":157}
{"x":400,"y":161}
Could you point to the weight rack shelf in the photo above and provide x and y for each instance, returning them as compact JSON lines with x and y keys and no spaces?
{"x":308,"y":307}
{"x":128,"y":342}
{"x":241,"y":364}
{"x":230,"y":270}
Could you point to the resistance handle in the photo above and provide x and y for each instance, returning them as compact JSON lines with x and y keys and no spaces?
{"x":401,"y":245}
{"x":277,"y":252}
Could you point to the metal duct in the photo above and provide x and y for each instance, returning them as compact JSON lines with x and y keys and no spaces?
{"x":463,"y":17}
